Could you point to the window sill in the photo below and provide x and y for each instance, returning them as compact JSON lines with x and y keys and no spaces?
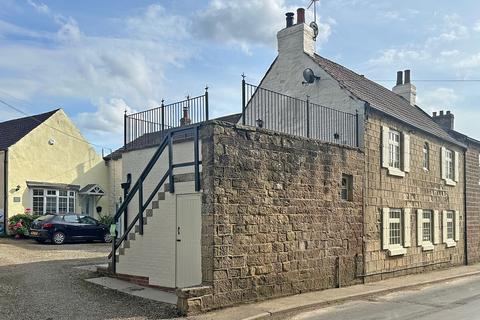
{"x":396,"y":251}
{"x":450,"y":243}
{"x":396,"y":172}
{"x":427,"y":246}
{"x":450,"y":182}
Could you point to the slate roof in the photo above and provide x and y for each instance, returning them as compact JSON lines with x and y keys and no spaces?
{"x":383,"y":99}
{"x":13,"y":130}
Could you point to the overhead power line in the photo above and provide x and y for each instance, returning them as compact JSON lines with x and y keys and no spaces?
{"x":56,"y":129}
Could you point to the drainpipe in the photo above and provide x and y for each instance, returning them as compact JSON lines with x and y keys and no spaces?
{"x":5,"y":190}
{"x":465,"y":248}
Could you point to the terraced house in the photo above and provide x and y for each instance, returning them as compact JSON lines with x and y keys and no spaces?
{"x":325,"y":179}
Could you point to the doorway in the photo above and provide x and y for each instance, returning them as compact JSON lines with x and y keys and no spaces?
{"x":188,"y":240}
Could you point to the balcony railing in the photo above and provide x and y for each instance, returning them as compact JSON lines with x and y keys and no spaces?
{"x":278,"y":112}
{"x":147,"y":127}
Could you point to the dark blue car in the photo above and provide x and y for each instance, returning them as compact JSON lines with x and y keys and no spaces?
{"x":60,"y":228}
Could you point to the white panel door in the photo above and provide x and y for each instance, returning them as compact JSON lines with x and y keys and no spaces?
{"x":188,"y":237}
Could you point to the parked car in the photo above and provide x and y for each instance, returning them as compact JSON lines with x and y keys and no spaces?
{"x":60,"y":228}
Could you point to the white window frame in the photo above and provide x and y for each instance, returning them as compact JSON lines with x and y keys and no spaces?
{"x":348,"y":187}
{"x":395,"y":144}
{"x":54,"y":193}
{"x":426,"y":245}
{"x":405,"y":229}
{"x":450,"y":217}
{"x":449,"y":166}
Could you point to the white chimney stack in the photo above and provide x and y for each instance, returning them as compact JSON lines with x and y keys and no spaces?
{"x":405,"y":88}
{"x":296,"y":38}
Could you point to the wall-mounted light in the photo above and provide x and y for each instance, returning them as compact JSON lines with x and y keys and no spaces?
{"x":51,"y":141}
{"x":259,"y":123}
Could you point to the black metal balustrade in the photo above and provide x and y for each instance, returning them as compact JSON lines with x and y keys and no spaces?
{"x":278,"y":112}
{"x":142,"y":128}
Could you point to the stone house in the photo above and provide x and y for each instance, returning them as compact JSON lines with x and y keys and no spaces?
{"x":47,"y":166}
{"x":472,"y":184}
{"x":241,"y":209}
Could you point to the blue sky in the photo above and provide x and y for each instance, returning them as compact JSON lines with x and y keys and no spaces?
{"x":97,"y":58}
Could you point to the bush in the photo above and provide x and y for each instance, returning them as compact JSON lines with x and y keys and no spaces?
{"x":19,"y":225}
{"x":106,"y":219}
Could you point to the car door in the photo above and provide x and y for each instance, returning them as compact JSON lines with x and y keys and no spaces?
{"x":88,"y":227}
{"x":71,"y":226}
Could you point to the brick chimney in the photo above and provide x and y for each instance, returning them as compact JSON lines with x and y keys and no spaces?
{"x":405,"y":88}
{"x":185,"y":120}
{"x":296,"y":38}
{"x":445,"y":120}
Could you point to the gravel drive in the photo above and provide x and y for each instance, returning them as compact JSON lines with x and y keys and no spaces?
{"x":40,"y":281}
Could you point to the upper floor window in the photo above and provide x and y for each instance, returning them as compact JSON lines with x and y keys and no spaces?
{"x":395,"y":151}
{"x":426,"y":156}
{"x":450,"y":160}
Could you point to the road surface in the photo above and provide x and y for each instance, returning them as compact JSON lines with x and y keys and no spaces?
{"x":453,"y":300}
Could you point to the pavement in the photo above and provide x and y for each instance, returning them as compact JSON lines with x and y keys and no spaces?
{"x":288,"y":307}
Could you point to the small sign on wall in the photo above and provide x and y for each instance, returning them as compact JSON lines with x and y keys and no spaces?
{"x":17,"y":199}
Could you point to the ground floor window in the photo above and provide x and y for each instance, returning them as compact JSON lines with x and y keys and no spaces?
{"x":46,"y":201}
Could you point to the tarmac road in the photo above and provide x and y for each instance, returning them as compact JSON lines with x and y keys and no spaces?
{"x":41,"y":282}
{"x":458,"y":300}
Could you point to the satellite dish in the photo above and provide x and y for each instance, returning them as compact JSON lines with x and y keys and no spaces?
{"x":314,"y":26}
{"x":309,"y":76}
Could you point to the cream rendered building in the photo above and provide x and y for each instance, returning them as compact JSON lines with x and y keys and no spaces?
{"x":47,"y":166}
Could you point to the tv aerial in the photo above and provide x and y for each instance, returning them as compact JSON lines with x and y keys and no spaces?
{"x":314,"y":24}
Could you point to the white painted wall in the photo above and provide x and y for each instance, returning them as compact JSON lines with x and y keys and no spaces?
{"x":286,"y":77}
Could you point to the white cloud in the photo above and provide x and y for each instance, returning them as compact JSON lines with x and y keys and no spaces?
{"x":476,"y":27}
{"x":107,"y":118}
{"x":397,"y":56}
{"x":472,"y":61}
{"x":40,"y":7}
{"x":246,"y":23}
{"x":438,"y":99}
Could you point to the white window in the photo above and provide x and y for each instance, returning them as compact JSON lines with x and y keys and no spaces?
{"x":395,"y":151}
{"x":451,"y":227}
{"x":450,"y":160}
{"x":426,"y":225}
{"x":426,"y":156}
{"x":46,"y":201}
{"x":396,"y":230}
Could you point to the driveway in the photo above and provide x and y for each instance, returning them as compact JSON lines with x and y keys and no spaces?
{"x":42,"y":281}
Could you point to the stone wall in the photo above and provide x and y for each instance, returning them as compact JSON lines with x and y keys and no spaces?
{"x":419,"y":189}
{"x":473,"y":202}
{"x":273,"y":220}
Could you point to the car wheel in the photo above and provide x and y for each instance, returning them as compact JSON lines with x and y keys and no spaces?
{"x":58,"y":237}
{"x":107,"y":238}
{"x":40,"y":240}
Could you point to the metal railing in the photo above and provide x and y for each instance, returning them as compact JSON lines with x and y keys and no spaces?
{"x":278,"y":112}
{"x":143,"y":128}
{"x":137,"y":190}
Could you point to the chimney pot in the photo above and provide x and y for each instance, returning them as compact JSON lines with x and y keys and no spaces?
{"x":434,"y":114}
{"x":289,"y":19}
{"x":448,"y":112}
{"x":407,"y":76}
{"x":300,"y":15}
{"x":441,"y":112}
{"x":399,"y":78}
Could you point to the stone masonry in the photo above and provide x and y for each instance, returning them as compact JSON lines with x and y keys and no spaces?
{"x":274,"y":223}
{"x":419,"y":189}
